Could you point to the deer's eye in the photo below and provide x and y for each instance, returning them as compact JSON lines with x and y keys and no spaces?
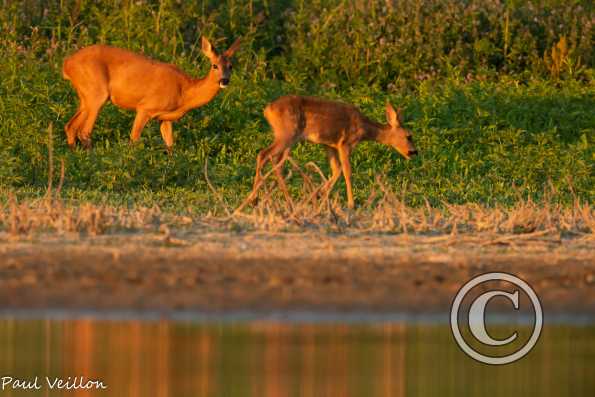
{"x":215,"y":67}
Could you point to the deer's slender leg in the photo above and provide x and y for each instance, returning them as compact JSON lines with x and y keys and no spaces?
{"x":92,"y":111}
{"x":344,"y":152}
{"x":333,"y":158}
{"x":85,"y":133}
{"x":92,"y":95}
{"x":273,"y":151}
{"x":261,"y":159}
{"x":278,"y":162}
{"x":168,"y":135}
{"x":141,"y":119}
{"x":74,"y":125}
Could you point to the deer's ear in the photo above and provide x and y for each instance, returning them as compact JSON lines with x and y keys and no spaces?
{"x":392,"y":117}
{"x":208,"y":50}
{"x":233,"y":48}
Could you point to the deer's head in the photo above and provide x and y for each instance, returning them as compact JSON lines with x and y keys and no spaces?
{"x":396,"y":135}
{"x":220,"y":64}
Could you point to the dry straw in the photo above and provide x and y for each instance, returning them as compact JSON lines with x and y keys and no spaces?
{"x":386,"y":211}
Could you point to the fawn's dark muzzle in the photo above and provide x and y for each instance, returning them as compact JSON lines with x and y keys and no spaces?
{"x":412,"y":153}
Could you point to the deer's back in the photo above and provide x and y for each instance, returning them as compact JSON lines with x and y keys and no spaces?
{"x":119,"y":61}
{"x":129,"y":77}
{"x":315,"y":119}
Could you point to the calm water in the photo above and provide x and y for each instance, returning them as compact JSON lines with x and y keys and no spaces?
{"x":161,"y":358}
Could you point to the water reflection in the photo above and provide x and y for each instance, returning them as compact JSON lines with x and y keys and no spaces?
{"x":142,"y":358}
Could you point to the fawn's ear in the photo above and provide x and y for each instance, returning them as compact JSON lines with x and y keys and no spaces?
{"x":208,"y":49}
{"x":233,"y":48}
{"x":393,"y":117}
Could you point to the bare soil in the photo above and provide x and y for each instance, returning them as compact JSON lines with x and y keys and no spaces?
{"x":219,"y":272}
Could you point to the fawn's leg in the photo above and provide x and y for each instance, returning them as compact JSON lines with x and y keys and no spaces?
{"x":261,"y":159}
{"x":140,"y":121}
{"x":344,"y":152}
{"x":278,"y":162}
{"x":167,"y":133}
{"x":265,"y":155}
{"x":333,"y":158}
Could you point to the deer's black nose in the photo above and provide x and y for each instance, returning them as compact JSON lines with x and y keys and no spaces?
{"x":224,"y":81}
{"x":412,"y":153}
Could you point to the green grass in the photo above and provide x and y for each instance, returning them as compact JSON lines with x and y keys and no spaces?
{"x":492,"y":124}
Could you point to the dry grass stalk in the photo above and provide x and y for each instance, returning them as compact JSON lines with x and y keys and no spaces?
{"x":384,"y":211}
{"x":388,"y":212}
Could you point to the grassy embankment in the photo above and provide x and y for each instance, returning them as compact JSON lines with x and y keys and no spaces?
{"x":500,"y":97}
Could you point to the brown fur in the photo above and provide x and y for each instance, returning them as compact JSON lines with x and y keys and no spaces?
{"x":133,"y":81}
{"x":338,"y":126}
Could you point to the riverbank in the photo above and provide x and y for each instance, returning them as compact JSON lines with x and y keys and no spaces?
{"x":222,"y":272}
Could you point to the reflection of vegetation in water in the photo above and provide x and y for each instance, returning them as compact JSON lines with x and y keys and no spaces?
{"x":262,"y":359}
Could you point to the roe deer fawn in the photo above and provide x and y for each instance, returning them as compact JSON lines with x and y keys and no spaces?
{"x":338,"y":126}
{"x":133,"y":81}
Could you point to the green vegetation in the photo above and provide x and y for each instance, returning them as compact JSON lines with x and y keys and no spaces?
{"x":500,"y":96}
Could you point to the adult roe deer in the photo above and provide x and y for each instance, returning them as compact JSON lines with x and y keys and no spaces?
{"x":133,"y":81}
{"x":338,"y":126}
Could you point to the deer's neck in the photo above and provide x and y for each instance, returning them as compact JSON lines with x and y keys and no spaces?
{"x":201,"y":91}
{"x":375,"y":131}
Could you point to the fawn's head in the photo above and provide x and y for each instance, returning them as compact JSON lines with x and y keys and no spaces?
{"x":396,"y":135}
{"x":220,"y":64}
